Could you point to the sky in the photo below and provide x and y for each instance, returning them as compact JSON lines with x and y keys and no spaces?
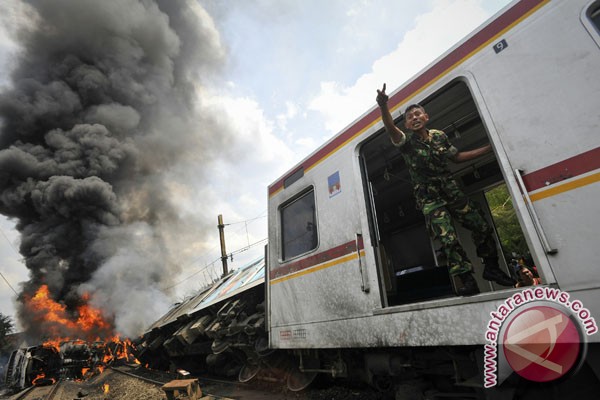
{"x":294,"y":73}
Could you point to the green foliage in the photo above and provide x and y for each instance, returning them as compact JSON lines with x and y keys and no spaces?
{"x":6,"y":328}
{"x":505,"y":219}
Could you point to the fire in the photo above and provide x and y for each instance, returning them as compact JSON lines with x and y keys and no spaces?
{"x":84,"y":337}
{"x":120,"y":349}
{"x":54,"y":343}
{"x":88,"y":322}
{"x":38,"y":378}
{"x":105,"y":388}
{"x":108,"y":357}
{"x":91,"y":318}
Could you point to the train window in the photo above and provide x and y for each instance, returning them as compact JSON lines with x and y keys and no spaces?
{"x":298,"y":226}
{"x":591,"y":20}
{"x":594,"y":15}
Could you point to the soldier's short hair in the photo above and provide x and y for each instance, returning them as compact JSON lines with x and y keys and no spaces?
{"x":412,"y":106}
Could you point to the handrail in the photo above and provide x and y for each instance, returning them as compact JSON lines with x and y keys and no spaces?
{"x":536,"y":220}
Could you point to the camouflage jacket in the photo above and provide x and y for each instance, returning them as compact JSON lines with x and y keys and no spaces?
{"x":427,"y":163}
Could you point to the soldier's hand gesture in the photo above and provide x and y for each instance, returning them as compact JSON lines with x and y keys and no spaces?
{"x":382,"y":98}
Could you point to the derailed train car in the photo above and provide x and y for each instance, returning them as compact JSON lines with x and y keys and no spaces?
{"x":354,"y":285}
{"x":220,"y":330}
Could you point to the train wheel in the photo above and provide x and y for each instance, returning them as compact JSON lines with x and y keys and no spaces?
{"x":298,"y":380}
{"x":218,"y":346}
{"x":261,"y":346}
{"x":248,"y":372}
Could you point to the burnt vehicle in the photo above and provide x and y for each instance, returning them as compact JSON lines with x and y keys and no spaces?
{"x":37,"y":365}
{"x":77,"y":358}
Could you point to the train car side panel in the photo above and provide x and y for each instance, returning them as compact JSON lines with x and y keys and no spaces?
{"x":548,"y":123}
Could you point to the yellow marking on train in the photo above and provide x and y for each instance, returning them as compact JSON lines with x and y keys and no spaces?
{"x":565,"y":187}
{"x":318,"y":267}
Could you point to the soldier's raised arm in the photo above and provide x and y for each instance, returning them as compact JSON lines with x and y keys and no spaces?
{"x":396,"y":135}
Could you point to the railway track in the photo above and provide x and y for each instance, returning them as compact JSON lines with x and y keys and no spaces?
{"x":127,"y":382}
{"x":210,"y":386}
{"x":113,"y":384}
{"x":39,"y":393}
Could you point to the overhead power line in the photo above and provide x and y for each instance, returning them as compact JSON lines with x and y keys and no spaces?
{"x":8,"y":283}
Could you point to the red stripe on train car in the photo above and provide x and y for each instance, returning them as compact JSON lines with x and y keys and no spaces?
{"x":316,"y":259}
{"x":562,"y":170}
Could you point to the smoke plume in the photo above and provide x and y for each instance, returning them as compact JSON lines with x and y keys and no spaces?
{"x":99,"y":113}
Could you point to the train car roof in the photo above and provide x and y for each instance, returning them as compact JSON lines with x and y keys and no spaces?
{"x":245,"y":278}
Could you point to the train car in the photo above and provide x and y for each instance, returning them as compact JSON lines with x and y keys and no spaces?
{"x":350,"y":264}
{"x":219,"y":330}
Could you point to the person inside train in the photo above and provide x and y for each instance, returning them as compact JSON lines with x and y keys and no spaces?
{"x":527,"y":278}
{"x":439,"y":197}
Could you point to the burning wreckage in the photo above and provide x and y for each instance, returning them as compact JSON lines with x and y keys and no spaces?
{"x":73,"y":359}
{"x":60,"y":356}
{"x":218,"y":331}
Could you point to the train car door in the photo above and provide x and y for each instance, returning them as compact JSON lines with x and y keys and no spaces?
{"x":411,"y":266}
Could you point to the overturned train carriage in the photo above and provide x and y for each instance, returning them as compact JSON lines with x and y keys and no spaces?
{"x":220,"y":330}
{"x":355,"y":286}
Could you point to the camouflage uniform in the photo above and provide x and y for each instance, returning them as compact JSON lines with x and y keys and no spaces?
{"x":441,"y":200}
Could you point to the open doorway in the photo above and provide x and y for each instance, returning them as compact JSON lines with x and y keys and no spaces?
{"x":411,"y":266}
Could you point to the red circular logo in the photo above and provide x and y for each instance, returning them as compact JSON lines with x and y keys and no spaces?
{"x":541,"y":344}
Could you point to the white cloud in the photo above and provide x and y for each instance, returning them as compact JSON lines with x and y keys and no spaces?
{"x":237,"y":187}
{"x":434,"y":32}
{"x":291,"y":111}
{"x":254,"y":133}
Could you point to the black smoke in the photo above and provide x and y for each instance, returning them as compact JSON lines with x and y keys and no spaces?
{"x":100,"y":110}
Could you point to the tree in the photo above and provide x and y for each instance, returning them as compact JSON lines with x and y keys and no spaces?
{"x":507,"y":225}
{"x":6,"y":328}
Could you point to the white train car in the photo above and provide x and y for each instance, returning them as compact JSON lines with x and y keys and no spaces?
{"x":350,"y":263}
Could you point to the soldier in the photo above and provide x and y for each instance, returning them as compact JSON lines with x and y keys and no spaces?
{"x":439,"y":197}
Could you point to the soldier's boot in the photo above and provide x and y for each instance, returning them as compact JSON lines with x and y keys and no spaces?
{"x":469,"y":285}
{"x":492,"y":272}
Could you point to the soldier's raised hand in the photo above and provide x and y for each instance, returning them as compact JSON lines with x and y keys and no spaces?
{"x":382,"y":98}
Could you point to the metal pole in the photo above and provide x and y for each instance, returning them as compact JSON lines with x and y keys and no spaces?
{"x":222,"y":238}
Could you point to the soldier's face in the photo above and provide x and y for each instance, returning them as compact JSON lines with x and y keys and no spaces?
{"x":416,"y":119}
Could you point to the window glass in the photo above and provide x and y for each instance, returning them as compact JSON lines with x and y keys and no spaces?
{"x":298,"y":226}
{"x":594,"y":15}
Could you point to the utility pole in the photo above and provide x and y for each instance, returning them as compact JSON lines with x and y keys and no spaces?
{"x":222,"y":237}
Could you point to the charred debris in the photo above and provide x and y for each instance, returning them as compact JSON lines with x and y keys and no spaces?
{"x":219,"y":331}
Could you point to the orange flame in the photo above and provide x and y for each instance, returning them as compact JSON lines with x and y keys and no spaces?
{"x":38,"y":378}
{"x":105,"y":388}
{"x":53,"y":343}
{"x":87,"y":322}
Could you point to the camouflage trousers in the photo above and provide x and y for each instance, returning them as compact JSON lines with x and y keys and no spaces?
{"x":469,"y":215}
